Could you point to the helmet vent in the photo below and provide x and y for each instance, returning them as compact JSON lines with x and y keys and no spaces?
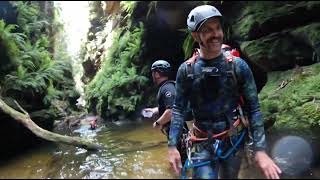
{"x":192,"y":18}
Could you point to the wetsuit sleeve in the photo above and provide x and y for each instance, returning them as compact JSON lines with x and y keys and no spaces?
{"x":179,"y":106}
{"x":252,"y":107}
{"x":168,"y":94}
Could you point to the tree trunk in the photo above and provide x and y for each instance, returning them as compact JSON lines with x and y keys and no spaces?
{"x":42,"y":133}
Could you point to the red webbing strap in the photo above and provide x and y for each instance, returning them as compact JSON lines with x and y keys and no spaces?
{"x":221,"y":135}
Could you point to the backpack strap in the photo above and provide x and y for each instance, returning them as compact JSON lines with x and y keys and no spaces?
{"x":243,"y":117}
{"x":244,"y":120}
{"x":194,"y":56}
{"x":230,"y":60}
{"x":190,"y":71}
{"x":190,"y":62}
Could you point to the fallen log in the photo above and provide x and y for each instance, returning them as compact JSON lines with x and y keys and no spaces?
{"x":24,"y":118}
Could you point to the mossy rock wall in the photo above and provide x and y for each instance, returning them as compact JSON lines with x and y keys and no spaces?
{"x":256,"y":19}
{"x":284,"y":50}
{"x":291,"y":100}
{"x":276,"y":35}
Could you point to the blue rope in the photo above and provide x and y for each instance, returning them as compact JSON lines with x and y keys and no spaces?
{"x":187,"y":164}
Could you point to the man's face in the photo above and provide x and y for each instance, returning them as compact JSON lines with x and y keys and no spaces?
{"x":210,"y":35}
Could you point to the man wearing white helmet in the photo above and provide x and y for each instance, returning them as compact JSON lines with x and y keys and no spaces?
{"x":214,"y":88}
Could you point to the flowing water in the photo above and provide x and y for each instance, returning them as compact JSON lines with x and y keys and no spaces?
{"x":134,"y":150}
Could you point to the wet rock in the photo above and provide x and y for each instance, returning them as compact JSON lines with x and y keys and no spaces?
{"x":253,"y":20}
{"x":278,"y":51}
{"x":293,"y":155}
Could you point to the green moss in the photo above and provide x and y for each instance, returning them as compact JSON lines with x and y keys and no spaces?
{"x":252,"y":16}
{"x":269,"y":47}
{"x":311,"y":113}
{"x":310,"y":33}
{"x":247,"y":23}
{"x":257,"y":14}
{"x":295,"y":105}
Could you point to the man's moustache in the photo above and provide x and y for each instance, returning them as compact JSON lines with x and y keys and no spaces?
{"x":212,"y":39}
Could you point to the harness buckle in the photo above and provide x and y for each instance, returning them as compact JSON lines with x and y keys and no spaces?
{"x":216,"y":146}
{"x":243,"y":118}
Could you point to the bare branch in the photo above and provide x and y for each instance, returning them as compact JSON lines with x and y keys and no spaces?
{"x":45,"y":134}
{"x":25,"y":112}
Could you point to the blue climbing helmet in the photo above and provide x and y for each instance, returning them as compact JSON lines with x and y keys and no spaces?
{"x":161,"y":65}
{"x":199,"y":15}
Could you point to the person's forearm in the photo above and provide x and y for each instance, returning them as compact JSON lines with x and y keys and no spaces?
{"x":257,"y":130}
{"x":165,"y":117}
{"x":179,"y":106}
{"x":250,"y":96}
{"x":176,"y":126}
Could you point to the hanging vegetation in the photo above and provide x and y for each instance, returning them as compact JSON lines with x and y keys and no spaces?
{"x":30,"y":69}
{"x":118,"y":80}
{"x":118,"y":85}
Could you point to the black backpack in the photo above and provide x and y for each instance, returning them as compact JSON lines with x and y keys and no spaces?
{"x":230,"y":60}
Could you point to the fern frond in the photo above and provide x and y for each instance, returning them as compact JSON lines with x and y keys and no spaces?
{"x":188,"y":46}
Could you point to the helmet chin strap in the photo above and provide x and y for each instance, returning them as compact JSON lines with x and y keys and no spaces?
{"x":200,"y":41}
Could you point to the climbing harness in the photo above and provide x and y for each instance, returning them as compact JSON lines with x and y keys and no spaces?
{"x":216,"y":141}
{"x":218,"y":154}
{"x":219,"y":140}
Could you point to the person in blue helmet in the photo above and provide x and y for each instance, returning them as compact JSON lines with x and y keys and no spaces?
{"x":214,"y":85}
{"x":166,"y":93}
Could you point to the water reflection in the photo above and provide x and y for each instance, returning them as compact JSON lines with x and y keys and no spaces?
{"x":134,"y":150}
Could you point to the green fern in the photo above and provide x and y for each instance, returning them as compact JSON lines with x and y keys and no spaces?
{"x":52,"y":94}
{"x":187,"y":46}
{"x":29,"y":67}
{"x":128,"y":6}
{"x":118,"y":79}
{"x":11,"y":41}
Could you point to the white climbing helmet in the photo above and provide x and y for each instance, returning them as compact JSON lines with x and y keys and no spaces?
{"x":199,"y":15}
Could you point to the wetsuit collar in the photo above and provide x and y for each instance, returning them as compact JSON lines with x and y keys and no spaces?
{"x":162,"y":82}
{"x":213,"y":59}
